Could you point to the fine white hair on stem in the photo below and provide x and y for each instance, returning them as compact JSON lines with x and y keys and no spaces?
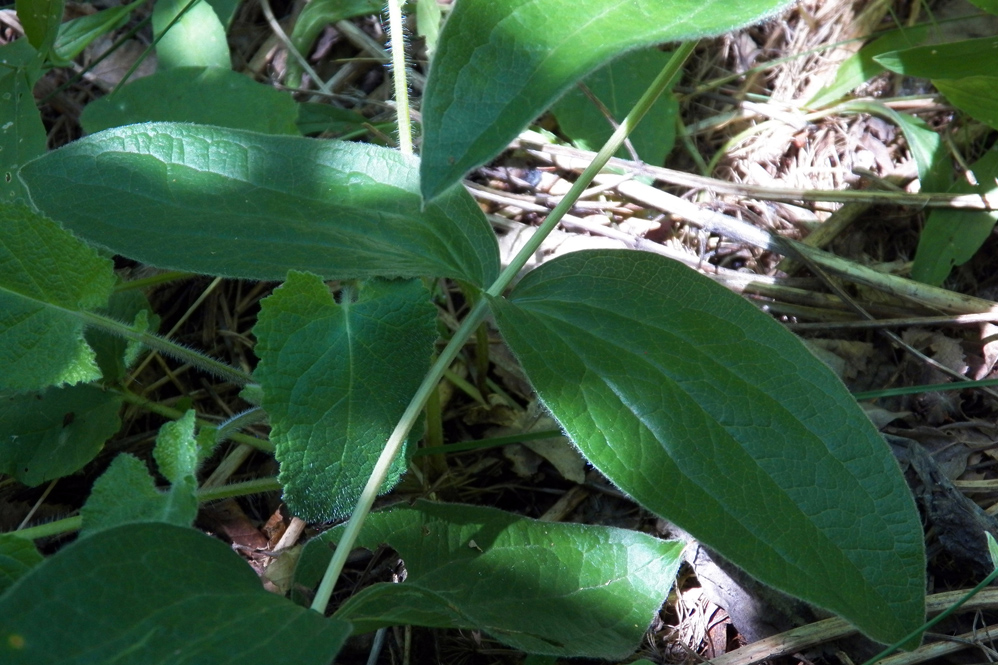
{"x":398,"y":70}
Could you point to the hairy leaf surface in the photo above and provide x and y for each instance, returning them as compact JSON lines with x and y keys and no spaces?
{"x":501,"y":63}
{"x":156,"y":593}
{"x":45,"y":276}
{"x":239,"y":204}
{"x":546,"y":588}
{"x":712,"y":415}
{"x":55,"y":432}
{"x":336,"y":378}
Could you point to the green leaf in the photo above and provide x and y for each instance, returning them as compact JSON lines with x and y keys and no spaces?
{"x":45,"y":275}
{"x":176,"y":451}
{"x":126,"y":494}
{"x":926,"y":146}
{"x":155,"y":593}
{"x":956,"y":60}
{"x":951,"y":237}
{"x":964,"y":72}
{"x":17,"y":556}
{"x":40,"y":20}
{"x":226,"y":202}
{"x":197,"y":39}
{"x":619,"y":85}
{"x":315,"y":16}
{"x":54,"y":433}
{"x":977,"y":96}
{"x":990,"y":6}
{"x":76,"y":35}
{"x":862,"y":66}
{"x":711,"y":414}
{"x":428,"y":18}
{"x":336,"y":379}
{"x":501,"y":63}
{"x":115,"y":354}
{"x":22,"y":135}
{"x":992,"y":548}
{"x":206,"y":95}
{"x":543,"y":587}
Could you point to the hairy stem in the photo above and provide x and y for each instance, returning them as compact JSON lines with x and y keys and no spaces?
{"x":396,"y":29}
{"x":196,"y":358}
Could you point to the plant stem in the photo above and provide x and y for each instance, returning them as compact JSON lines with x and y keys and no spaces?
{"x":196,"y":358}
{"x":396,"y":30}
{"x":475,"y":317}
{"x":70,"y":524}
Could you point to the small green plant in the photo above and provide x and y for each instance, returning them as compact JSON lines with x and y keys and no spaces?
{"x":701,"y":408}
{"x":963,"y":71}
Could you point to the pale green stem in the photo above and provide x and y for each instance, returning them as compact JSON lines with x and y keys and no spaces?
{"x":475,"y":317}
{"x":396,"y":29}
{"x":70,"y":524}
{"x":196,"y":358}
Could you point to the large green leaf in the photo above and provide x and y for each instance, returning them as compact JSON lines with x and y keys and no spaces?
{"x":711,"y":414}
{"x":17,"y":556}
{"x":545,"y":588}
{"x":195,"y":39}
{"x":235,"y":203}
{"x":500,"y":63}
{"x":951,"y":237}
{"x":45,"y":276}
{"x":336,"y":379}
{"x":205,"y":95}
{"x":54,"y":433}
{"x":22,"y":135}
{"x":156,"y":593}
{"x":618,"y":86}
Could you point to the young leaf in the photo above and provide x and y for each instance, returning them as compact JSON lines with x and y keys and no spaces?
{"x":176,"y":451}
{"x":77,"y":34}
{"x":546,"y":588}
{"x":196,"y":39}
{"x":228,"y":202}
{"x":336,"y":379}
{"x":45,"y":275}
{"x":56,"y":432}
{"x":500,"y":63}
{"x":951,"y":237}
{"x":126,"y":494}
{"x":618,"y":86}
{"x":206,"y":95}
{"x":711,"y":414}
{"x":17,"y":556}
{"x":156,"y":593}
{"x":314,"y":17}
{"x":22,"y":135}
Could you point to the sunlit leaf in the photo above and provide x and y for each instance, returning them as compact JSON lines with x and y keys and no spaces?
{"x":709,"y":413}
